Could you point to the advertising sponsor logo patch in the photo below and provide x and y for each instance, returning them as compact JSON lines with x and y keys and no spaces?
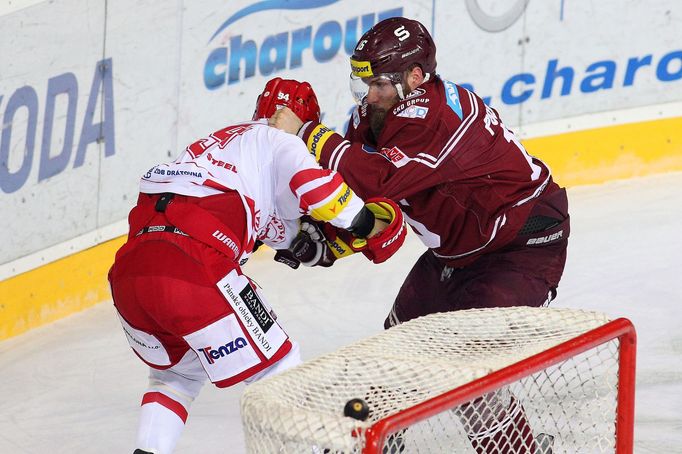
{"x":414,"y":112}
{"x":395,"y":155}
{"x":224,"y":348}
{"x":340,"y":250}
{"x":344,"y":197}
{"x":361,"y":69}
{"x":256,"y":307}
{"x":232,"y":346}
{"x":317,"y":140}
{"x":145,"y":344}
{"x":254,"y":313}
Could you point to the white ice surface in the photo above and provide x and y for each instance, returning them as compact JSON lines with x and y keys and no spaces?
{"x":75,"y":386}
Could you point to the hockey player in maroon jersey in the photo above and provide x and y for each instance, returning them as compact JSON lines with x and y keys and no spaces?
{"x":495,"y":223}
{"x":186,"y":308}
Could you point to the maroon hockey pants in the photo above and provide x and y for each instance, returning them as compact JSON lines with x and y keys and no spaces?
{"x":513,"y":276}
{"x":517,"y":275}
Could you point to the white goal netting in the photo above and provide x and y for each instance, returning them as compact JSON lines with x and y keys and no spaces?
{"x":565,"y":407}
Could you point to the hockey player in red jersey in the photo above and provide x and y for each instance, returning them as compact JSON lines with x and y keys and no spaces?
{"x":177,"y":284}
{"x":495,"y":223}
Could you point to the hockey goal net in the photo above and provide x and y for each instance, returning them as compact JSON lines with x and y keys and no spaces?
{"x":508,"y":380}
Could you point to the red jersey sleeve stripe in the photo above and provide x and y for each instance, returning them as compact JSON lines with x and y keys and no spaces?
{"x":317,"y":192}
{"x":306,"y":176}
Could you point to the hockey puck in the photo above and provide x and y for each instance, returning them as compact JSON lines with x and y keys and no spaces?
{"x":356,"y":409}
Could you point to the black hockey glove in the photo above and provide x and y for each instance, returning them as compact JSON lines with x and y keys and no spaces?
{"x":309,"y":247}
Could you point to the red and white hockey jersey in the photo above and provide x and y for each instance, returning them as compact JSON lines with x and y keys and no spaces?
{"x":275,"y":175}
{"x":465,"y":183}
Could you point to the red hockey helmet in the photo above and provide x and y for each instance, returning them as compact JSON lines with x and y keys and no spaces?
{"x":297,"y":96}
{"x":392,"y":46}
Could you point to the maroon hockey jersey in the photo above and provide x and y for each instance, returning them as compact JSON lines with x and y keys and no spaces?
{"x":463,"y":180}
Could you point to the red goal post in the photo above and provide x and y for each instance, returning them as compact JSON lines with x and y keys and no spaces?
{"x":435,"y":384}
{"x":621,"y":329}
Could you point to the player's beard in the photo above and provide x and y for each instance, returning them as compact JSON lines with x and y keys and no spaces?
{"x":376,"y":121}
{"x":377,"y":116}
